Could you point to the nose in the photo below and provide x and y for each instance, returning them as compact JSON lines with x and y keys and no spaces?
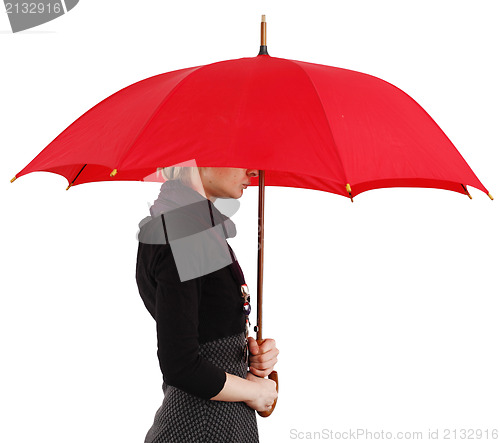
{"x":253,"y":172}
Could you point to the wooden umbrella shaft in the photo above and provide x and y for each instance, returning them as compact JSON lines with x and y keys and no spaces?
{"x":260,"y":282}
{"x":262,"y":184}
{"x":260,"y":255}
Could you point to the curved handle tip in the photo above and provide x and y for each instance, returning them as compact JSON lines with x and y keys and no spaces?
{"x":274,"y":377}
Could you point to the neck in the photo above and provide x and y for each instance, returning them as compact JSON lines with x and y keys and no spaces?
{"x":197,"y":185}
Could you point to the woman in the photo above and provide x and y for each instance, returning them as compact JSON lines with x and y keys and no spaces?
{"x":193,"y":287}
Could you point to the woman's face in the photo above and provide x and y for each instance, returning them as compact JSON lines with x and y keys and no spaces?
{"x":226,"y":182}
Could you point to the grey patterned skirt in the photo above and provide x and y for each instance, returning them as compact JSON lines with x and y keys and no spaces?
{"x":184,"y":418}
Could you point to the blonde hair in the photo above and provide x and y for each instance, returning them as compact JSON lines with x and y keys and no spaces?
{"x":185,"y":174}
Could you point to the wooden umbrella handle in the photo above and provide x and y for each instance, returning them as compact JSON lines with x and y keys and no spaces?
{"x":274,"y":377}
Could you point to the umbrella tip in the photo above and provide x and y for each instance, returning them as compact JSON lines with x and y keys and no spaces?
{"x":263,"y":36}
{"x":490,"y":196}
{"x":348,"y":189}
{"x":12,"y":180}
{"x":467,"y":192}
{"x":69,"y":186}
{"x":113,"y":173}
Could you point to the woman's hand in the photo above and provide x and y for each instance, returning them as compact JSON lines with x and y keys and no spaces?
{"x":263,"y":357}
{"x":264,"y":393}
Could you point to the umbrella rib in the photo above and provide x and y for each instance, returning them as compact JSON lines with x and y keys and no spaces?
{"x":153,"y":115}
{"x":77,"y":175}
{"x":326,"y":118}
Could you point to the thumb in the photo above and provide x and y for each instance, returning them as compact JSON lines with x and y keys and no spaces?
{"x":253,"y":347}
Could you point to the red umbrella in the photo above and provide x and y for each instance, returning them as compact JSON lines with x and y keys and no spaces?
{"x":306,"y":125}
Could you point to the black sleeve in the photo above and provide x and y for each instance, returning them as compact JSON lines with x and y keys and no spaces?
{"x":176,"y":314}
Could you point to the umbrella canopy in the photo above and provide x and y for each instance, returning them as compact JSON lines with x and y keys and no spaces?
{"x":307,"y":125}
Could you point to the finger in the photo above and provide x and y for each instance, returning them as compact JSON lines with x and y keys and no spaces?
{"x":272,"y":352}
{"x":261,"y":373}
{"x":256,"y":363}
{"x":261,"y":358}
{"x":267,"y":345}
{"x":264,"y":366}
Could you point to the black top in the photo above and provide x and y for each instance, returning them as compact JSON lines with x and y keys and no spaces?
{"x":191,"y":312}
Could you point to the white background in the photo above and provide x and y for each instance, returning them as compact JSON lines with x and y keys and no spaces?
{"x":385,"y":310}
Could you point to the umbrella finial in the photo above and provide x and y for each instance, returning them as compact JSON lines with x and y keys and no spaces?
{"x":263,"y":36}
